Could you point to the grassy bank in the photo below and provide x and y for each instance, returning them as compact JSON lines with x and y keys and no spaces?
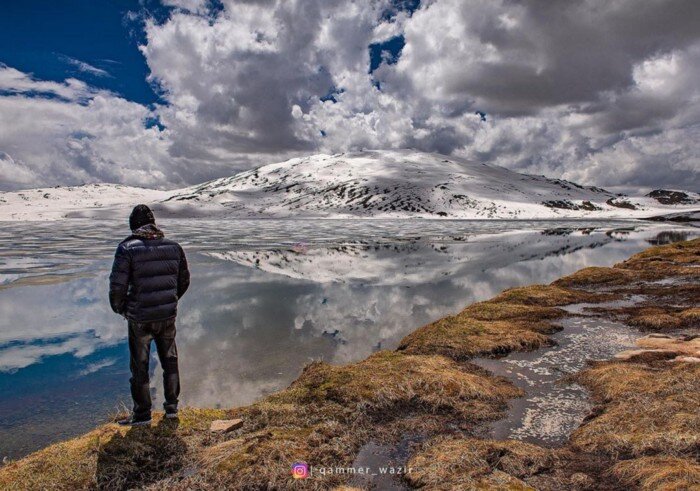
{"x":643,"y":433}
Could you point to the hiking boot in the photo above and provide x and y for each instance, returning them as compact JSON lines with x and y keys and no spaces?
{"x":135,"y":421}
{"x":171,"y":414}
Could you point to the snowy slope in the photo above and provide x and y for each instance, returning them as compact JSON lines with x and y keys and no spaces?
{"x":408,"y":183}
{"x":63,"y":201}
{"x":378,"y":184}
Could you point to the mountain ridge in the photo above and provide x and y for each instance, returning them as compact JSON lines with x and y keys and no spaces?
{"x":367,"y":184}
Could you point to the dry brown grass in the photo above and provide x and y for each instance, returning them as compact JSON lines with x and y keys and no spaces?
{"x":518,"y":319}
{"x":645,"y":410}
{"x":329,"y":411}
{"x":111,"y":457}
{"x":655,"y":263}
{"x":547,"y":296}
{"x":500,"y":311}
{"x":64,"y":466}
{"x":659,"y":473}
{"x":691,"y":317}
{"x":462,"y":338}
{"x":655,"y":319}
{"x":469,"y":463}
{"x":598,"y":276}
{"x":677,"y":259}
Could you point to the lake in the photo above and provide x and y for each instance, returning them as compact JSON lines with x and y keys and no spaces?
{"x":267,"y":297}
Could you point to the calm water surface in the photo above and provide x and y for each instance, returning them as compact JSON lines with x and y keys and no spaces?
{"x":267,"y":297}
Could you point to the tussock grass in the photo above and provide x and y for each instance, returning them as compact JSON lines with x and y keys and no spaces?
{"x":519,"y":319}
{"x":645,"y":410}
{"x":659,"y":473}
{"x":684,"y":252}
{"x":657,"y":315}
{"x":691,"y":317}
{"x":547,"y":296}
{"x":499,"y":311}
{"x":469,"y":463}
{"x":655,"y":263}
{"x":655,"y":319}
{"x":677,"y":259}
{"x":598,"y":276}
{"x":330,"y":411}
{"x":63,"y":466}
{"x":323,"y":418}
{"x":111,"y":457}
{"x":387,"y":379}
{"x":462,"y":338}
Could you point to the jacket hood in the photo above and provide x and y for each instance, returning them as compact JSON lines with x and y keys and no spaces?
{"x":148,"y":231}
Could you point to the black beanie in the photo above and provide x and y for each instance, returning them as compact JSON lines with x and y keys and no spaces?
{"x":140,"y":216}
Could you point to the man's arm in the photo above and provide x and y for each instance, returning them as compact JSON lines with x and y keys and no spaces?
{"x":119,"y":280}
{"x":183,"y":277}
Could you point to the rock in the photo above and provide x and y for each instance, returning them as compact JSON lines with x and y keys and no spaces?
{"x":655,"y":344}
{"x":626,"y":355}
{"x":225,"y":425}
{"x":680,"y":346}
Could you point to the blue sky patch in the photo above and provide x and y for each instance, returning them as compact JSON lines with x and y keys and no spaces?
{"x":387,"y":52}
{"x":96,"y":42}
{"x":397,"y":6}
{"x":331,"y":95}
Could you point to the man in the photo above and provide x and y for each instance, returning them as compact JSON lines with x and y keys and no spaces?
{"x":148,"y":278}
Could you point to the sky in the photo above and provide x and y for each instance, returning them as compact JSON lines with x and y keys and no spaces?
{"x":167,"y":93}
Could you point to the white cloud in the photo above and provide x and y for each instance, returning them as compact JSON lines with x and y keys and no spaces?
{"x":603,"y":92}
{"x":13,"y":81}
{"x":86,"y":67}
{"x":56,"y":133}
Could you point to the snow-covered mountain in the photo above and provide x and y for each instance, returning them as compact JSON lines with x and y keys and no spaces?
{"x":58,"y":202}
{"x":410,"y":183}
{"x":378,"y":184}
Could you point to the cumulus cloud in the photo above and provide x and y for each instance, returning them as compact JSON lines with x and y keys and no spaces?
{"x":69,"y":133}
{"x":602,"y":92}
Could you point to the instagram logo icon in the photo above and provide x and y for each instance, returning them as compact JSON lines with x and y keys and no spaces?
{"x":300,"y":470}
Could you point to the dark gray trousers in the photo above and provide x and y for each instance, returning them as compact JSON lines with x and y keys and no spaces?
{"x":140,"y":336}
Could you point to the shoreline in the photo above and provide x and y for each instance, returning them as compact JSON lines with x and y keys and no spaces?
{"x":428,"y":386}
{"x":681,"y":217}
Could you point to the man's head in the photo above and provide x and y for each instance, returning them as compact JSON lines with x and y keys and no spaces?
{"x":140,"y":216}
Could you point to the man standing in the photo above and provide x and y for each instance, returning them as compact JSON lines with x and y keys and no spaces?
{"x":148,"y":278}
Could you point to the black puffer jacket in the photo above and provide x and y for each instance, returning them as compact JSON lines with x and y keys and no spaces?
{"x":148,"y":277}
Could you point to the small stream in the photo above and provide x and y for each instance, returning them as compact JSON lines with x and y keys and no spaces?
{"x":552,"y":407}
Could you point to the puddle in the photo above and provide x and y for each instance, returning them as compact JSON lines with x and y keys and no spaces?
{"x":581,"y":308}
{"x":383,"y":465}
{"x":551,"y":408}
